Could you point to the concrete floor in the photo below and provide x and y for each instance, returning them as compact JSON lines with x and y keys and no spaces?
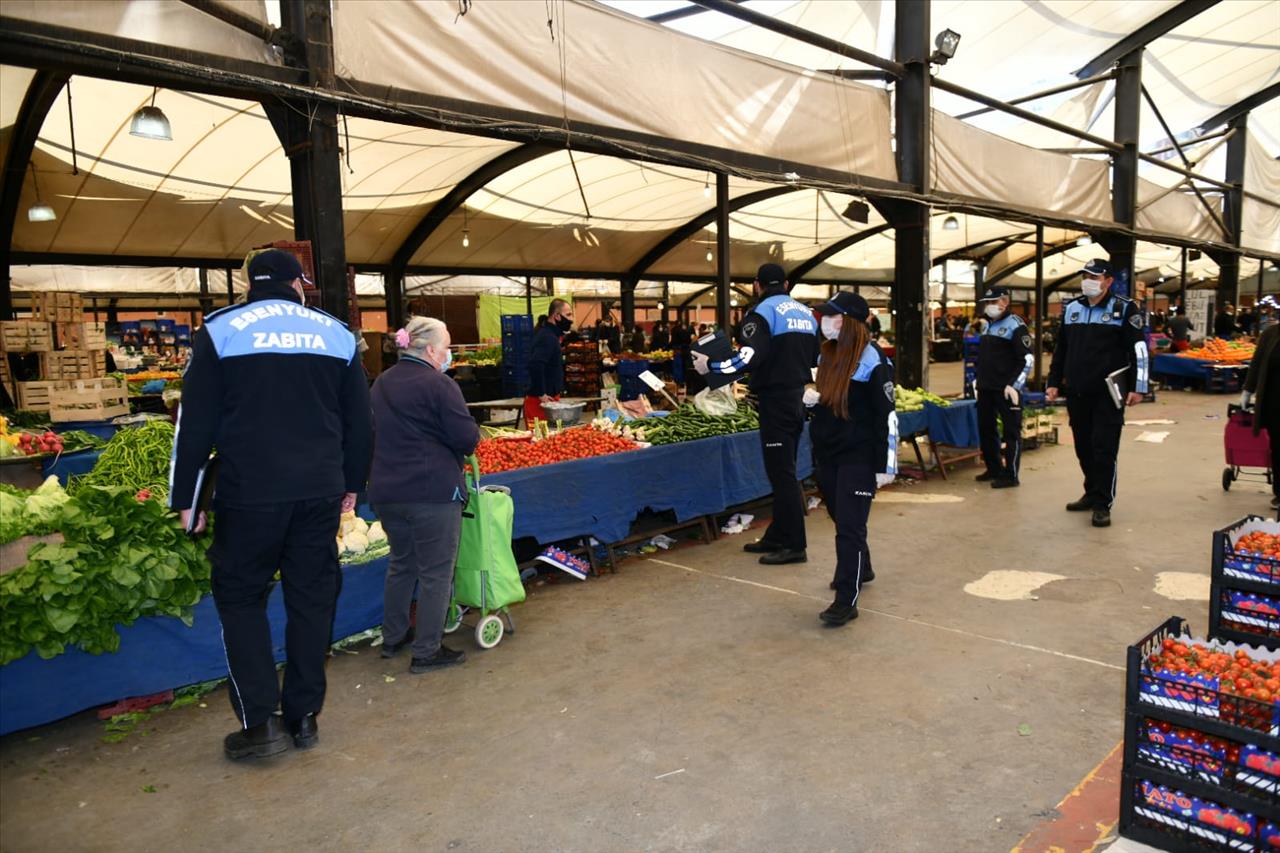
{"x":694,"y":703}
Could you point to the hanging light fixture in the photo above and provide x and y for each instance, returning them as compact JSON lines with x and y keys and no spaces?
{"x":710,"y":256}
{"x":1084,"y":241}
{"x":951,"y":224}
{"x":466,"y":228}
{"x":150,"y":122}
{"x":39,"y":212}
{"x":466,"y":238}
{"x":706,"y":186}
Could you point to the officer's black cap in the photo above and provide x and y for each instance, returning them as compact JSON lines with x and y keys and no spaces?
{"x":1098,"y":266}
{"x":274,"y":265}
{"x":994,"y":293}
{"x":846,"y":302}
{"x":771,"y":275}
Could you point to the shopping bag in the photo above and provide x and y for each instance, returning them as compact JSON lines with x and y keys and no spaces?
{"x":716,"y":401}
{"x":486,"y":574}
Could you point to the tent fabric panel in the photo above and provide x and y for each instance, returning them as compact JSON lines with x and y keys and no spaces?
{"x":165,"y":22}
{"x":981,"y":165}
{"x":618,"y":71}
{"x":1259,"y":221}
{"x":1176,"y":213}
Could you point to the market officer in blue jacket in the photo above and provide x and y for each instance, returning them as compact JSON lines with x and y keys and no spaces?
{"x":1102,"y":336}
{"x":855,"y":440}
{"x":778,"y":346}
{"x":1004,"y":363}
{"x":546,"y":360}
{"x":279,"y":389}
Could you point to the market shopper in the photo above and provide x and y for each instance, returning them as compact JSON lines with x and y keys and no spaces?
{"x":778,"y":347}
{"x":1004,"y":363}
{"x":1101,"y":337}
{"x":1262,"y":391}
{"x":423,"y":432}
{"x":280,"y":391}
{"x":1224,"y":322}
{"x":855,"y":440}
{"x":1180,"y":328}
{"x":546,"y":360}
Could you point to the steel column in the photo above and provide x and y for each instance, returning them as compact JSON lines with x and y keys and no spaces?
{"x":1124,"y":164}
{"x":231,"y":288}
{"x":1233,"y":207}
{"x":393,"y":293}
{"x":723,"y":267}
{"x":206,"y":301}
{"x":1038,"y":336}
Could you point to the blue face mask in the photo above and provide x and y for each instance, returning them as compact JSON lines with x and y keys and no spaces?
{"x":448,"y":360}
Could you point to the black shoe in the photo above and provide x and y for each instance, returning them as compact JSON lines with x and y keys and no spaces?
{"x":1004,"y":483}
{"x":260,"y":741}
{"x":1083,"y":505}
{"x":1275,"y":503}
{"x":390,"y":650}
{"x":985,"y":476}
{"x":442,"y":658}
{"x":306,"y":733}
{"x":761,"y":546}
{"x":1101,"y":517}
{"x":839,"y":614}
{"x":784,"y":556}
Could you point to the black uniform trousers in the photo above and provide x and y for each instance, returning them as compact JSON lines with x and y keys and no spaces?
{"x":250,"y":543}
{"x":992,"y":402}
{"x":781,"y":424}
{"x":1096,"y":424}
{"x":848,"y":491}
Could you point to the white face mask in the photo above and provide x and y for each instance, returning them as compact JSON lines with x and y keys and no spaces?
{"x":831,"y":327}
{"x":1091,"y":287}
{"x":993,"y":310}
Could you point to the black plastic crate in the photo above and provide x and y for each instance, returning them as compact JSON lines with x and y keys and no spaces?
{"x":1240,"y":774}
{"x":1244,"y":617}
{"x":1172,"y":817}
{"x":1195,"y":702}
{"x":1244,"y":571}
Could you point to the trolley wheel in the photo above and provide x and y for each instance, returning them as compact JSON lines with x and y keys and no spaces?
{"x":1228,"y":476}
{"x":489,"y":631}
{"x":453,"y":618}
{"x":511,"y":623}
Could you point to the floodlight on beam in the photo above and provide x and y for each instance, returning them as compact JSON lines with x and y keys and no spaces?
{"x":858,"y":211}
{"x":946,"y":44}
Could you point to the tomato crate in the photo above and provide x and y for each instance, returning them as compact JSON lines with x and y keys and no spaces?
{"x":72,"y":364}
{"x":1246,"y":569}
{"x":26,"y":336}
{"x":1181,"y":815}
{"x":1243,"y":772}
{"x":1206,"y":703}
{"x":1244,"y":617}
{"x":88,"y":400}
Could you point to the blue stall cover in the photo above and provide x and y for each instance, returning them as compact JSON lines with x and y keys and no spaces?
{"x":602,"y":496}
{"x":73,"y":464}
{"x":1165,"y":364}
{"x":956,"y":424}
{"x":160,"y":653}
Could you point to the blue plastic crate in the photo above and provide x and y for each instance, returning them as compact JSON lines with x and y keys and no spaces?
{"x":1033,"y":399}
{"x":517,"y":323}
{"x":628,"y":368}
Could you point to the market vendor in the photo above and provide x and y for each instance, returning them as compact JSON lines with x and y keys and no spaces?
{"x":855,"y":440}
{"x":546,"y":361}
{"x":280,"y":390}
{"x":1101,"y":338}
{"x":422,"y":432}
{"x":1004,"y":363}
{"x":778,"y":342}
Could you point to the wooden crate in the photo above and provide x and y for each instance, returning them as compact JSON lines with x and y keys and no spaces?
{"x":26,"y":336}
{"x":82,"y":336}
{"x":57,"y":307}
{"x":72,"y":364}
{"x":6,"y":378}
{"x":34,"y":396}
{"x":88,"y":400}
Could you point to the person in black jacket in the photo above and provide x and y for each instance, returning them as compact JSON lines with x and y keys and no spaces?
{"x":279,"y":389}
{"x":855,"y":440}
{"x":424,"y":433}
{"x":1004,"y":363}
{"x":778,"y":346}
{"x":1101,"y":336}
{"x":661,"y":337}
{"x":546,"y":361}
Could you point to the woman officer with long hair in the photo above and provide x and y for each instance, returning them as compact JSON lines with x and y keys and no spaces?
{"x":855,"y":440}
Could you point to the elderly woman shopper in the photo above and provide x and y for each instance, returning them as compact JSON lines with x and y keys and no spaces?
{"x":422,"y":433}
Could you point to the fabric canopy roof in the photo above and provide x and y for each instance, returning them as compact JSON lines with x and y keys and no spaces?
{"x":222,"y":186}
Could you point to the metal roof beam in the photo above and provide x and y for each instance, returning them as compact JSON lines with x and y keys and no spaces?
{"x":834,"y":249}
{"x":677,"y":14}
{"x":1241,"y":107}
{"x":1144,"y":35}
{"x":1017,"y":265}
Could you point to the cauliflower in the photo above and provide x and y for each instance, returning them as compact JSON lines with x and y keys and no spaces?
{"x":376,"y":534}
{"x":356,"y":543}
{"x":352,"y":523}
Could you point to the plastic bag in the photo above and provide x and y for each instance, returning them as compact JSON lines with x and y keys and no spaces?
{"x":718,"y":402}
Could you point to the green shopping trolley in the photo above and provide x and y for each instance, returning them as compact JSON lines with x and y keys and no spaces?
{"x":485,"y":575}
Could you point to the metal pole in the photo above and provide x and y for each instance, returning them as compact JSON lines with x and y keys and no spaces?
{"x":393,"y":293}
{"x":1182,"y":284}
{"x":528,"y":295}
{"x":1038,"y":337}
{"x":231,"y":288}
{"x":722,"y":250}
